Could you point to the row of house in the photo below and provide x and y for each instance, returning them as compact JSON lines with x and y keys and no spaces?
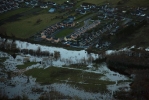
{"x":81,"y":32}
{"x":48,"y":32}
{"x":8,"y":5}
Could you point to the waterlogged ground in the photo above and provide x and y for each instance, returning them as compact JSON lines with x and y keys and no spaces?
{"x":67,"y":78}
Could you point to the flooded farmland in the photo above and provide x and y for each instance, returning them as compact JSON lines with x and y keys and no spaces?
{"x":66,"y":73}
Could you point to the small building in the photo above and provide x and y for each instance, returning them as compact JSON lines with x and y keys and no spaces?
{"x":43,"y":6}
{"x":73,"y":36}
{"x":67,"y":38}
{"x":52,"y":10}
{"x":34,"y":3}
{"x":83,"y":12}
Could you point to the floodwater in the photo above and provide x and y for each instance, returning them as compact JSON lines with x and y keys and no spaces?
{"x":19,"y":85}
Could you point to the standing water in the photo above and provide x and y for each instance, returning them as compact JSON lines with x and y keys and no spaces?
{"x":20,"y":84}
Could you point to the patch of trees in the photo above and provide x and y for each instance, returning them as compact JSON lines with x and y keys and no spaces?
{"x":38,"y":21}
{"x":57,"y":55}
{"x":12,"y":48}
{"x":8,"y":47}
{"x":139,"y":87}
{"x":122,"y":2}
{"x":5,"y":97}
{"x":133,"y":62}
{"x":128,"y":59}
{"x":131,"y":28}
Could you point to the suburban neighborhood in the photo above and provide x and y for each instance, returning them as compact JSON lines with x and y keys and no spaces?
{"x":103,"y":20}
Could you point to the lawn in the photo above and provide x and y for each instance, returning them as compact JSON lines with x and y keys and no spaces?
{"x":64,"y":32}
{"x":27,"y":25}
{"x":26,"y":64}
{"x":13,"y":12}
{"x":80,"y":17}
{"x":80,"y":24}
{"x":84,"y":80}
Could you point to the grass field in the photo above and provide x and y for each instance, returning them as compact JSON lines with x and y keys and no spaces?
{"x":26,"y":64}
{"x":90,"y":81}
{"x":13,"y":12}
{"x":64,"y":32}
{"x":26,"y":25}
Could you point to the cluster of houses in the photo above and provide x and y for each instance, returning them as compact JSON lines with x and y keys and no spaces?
{"x":110,"y":28}
{"x":92,"y":38}
{"x":62,"y":7}
{"x":54,"y":6}
{"x":139,"y":11}
{"x":84,"y":29}
{"x":7,"y":5}
{"x":48,"y":32}
{"x":105,"y":12}
{"x":84,"y":7}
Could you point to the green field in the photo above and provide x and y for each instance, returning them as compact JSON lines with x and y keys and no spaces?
{"x":84,"y":80}
{"x":26,"y":64}
{"x":64,"y":32}
{"x":26,"y":25}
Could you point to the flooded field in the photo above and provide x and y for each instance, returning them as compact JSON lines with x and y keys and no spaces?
{"x":72,"y":74}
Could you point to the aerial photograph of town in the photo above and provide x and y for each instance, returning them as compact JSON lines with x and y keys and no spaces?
{"x":74,"y":49}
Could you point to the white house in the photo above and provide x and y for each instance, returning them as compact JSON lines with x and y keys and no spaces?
{"x":43,"y":6}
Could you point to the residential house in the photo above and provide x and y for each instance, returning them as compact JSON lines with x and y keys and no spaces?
{"x":52,"y":10}
{"x":49,"y":2}
{"x":56,"y":40}
{"x":34,"y":3}
{"x":83,"y":12}
{"x":67,"y":38}
{"x":49,"y":39}
{"x":73,"y":36}
{"x":88,"y":5}
{"x":43,"y":6}
{"x":69,"y":21}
